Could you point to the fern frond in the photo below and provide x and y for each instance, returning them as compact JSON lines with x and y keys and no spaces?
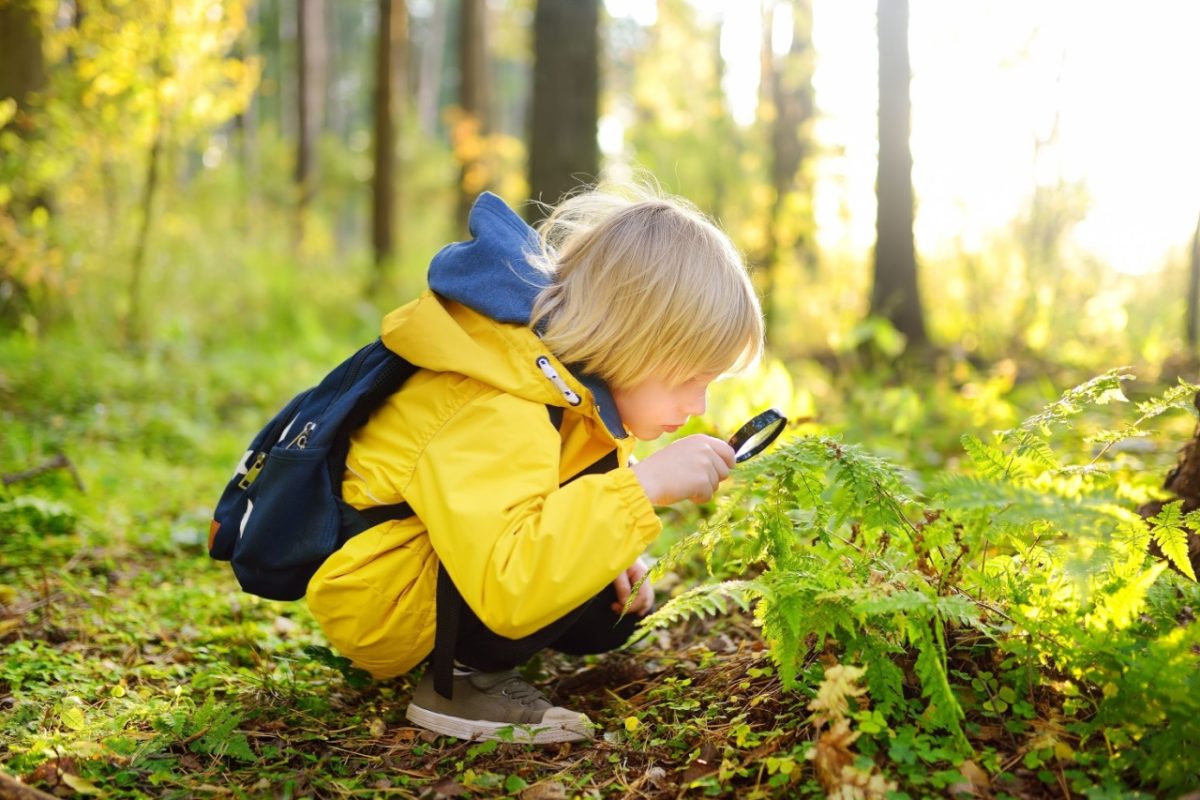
{"x":885,"y":680}
{"x":944,"y":710}
{"x":1111,"y":437}
{"x":902,"y":602}
{"x":707,"y":599}
{"x":705,"y":538}
{"x":1168,"y":532}
{"x":1177,"y":397}
{"x":1099,"y":390}
{"x":1038,"y":451}
{"x":989,"y":461}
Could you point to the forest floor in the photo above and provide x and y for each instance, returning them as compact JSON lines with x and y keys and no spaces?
{"x":132,"y":666}
{"x":131,"y":671}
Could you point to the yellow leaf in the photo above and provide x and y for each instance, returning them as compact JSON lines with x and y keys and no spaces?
{"x":73,"y":719}
{"x":81,"y":785}
{"x":632,"y":724}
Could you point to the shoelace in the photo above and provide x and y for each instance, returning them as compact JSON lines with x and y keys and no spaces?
{"x":515,"y":688}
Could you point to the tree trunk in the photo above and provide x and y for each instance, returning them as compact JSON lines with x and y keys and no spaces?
{"x":310,"y":62}
{"x":429,"y":70}
{"x":563,"y":151}
{"x":472,"y":128}
{"x":389,"y":82}
{"x":22,"y":62}
{"x":245,"y":126}
{"x":1193,"y":296}
{"x":134,"y":324}
{"x":895,"y":295}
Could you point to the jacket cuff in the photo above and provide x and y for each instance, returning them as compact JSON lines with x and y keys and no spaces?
{"x":629,"y":489}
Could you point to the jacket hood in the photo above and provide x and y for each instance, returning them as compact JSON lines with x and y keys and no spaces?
{"x":476,"y":320}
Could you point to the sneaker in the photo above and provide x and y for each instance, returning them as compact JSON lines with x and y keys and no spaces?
{"x":487,"y":703}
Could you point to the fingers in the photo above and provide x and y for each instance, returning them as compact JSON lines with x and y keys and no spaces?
{"x":624,"y":583}
{"x":691,"y":467}
{"x":645,"y":600}
{"x":724,"y":452}
{"x":621,"y":584}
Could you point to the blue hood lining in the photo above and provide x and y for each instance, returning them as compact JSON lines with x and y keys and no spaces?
{"x":491,"y":273}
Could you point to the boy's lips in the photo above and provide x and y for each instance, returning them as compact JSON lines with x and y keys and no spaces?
{"x":671,"y":428}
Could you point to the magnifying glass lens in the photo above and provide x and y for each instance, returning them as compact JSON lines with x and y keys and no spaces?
{"x":754,"y":437}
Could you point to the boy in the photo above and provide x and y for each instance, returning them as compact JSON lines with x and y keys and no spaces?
{"x":615,"y":319}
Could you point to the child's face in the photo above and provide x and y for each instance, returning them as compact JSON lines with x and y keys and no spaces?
{"x":654,"y":407}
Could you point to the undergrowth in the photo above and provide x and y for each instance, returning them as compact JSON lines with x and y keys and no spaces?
{"x":1018,"y":597}
{"x":996,"y":625}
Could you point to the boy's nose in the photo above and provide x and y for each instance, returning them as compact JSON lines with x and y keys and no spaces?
{"x":696,"y":404}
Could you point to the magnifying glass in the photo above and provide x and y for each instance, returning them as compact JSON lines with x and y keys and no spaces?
{"x":753,"y":437}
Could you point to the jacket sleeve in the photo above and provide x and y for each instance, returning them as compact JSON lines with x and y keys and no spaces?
{"x":521,"y":550}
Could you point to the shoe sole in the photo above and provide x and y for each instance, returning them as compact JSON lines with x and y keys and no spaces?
{"x":480,"y":730}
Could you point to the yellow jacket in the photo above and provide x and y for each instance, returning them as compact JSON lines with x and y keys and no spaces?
{"x":469,"y":445}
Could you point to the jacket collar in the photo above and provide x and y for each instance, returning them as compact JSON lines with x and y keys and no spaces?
{"x":491,"y":273}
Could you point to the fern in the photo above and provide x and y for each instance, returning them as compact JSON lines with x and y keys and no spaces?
{"x":1177,"y":397}
{"x":705,"y":599}
{"x":989,"y":461}
{"x":1035,"y":553}
{"x":944,"y":709}
{"x":1099,"y":390}
{"x":1168,"y":533}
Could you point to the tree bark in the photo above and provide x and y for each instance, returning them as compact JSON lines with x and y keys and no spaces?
{"x":22,"y":62}
{"x":895,"y":293}
{"x":389,"y":81}
{"x":472,"y":128}
{"x":563,"y":151}
{"x":310,"y":62}
{"x":429,"y":70}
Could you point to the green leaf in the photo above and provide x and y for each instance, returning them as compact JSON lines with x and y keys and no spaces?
{"x":1171,"y":537}
{"x":989,"y":461}
{"x":73,"y":719}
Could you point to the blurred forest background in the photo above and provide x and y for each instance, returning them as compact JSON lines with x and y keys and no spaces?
{"x":170,"y":168}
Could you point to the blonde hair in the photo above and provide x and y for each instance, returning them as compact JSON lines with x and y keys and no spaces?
{"x":643,"y":284}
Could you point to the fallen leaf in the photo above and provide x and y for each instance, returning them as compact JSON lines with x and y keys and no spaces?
{"x":547,"y":790}
{"x":448,"y":787}
{"x":80,"y":785}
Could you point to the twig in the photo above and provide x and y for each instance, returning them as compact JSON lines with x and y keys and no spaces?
{"x":59,"y":461}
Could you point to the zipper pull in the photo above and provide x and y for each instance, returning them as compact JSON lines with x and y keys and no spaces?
{"x":252,"y":473}
{"x":301,"y":440}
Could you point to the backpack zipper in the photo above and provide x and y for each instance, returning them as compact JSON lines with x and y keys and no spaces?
{"x":252,"y":473}
{"x":301,"y":440}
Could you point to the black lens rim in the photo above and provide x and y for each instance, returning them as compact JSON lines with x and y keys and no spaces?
{"x":772,"y":416}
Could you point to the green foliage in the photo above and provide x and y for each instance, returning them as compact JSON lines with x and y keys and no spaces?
{"x":1027,"y":556}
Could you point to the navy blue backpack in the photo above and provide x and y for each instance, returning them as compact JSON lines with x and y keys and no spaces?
{"x":282,"y":513}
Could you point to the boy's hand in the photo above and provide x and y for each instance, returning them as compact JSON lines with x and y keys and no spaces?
{"x":625,"y":582}
{"x":691,"y":467}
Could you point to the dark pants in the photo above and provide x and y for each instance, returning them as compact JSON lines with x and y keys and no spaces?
{"x":591,"y":628}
